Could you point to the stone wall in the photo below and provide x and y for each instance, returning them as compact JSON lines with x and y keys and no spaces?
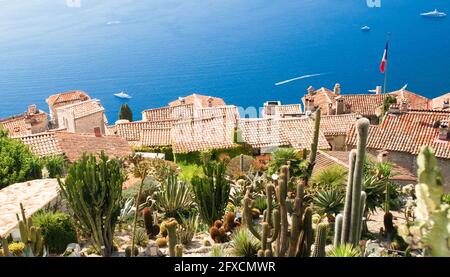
{"x":87,"y":124}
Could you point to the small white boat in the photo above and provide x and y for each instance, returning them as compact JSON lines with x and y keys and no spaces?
{"x":122,"y":95}
{"x":365,"y":29}
{"x":434,"y":13}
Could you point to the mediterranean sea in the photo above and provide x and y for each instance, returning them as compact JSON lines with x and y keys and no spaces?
{"x":159,"y":50}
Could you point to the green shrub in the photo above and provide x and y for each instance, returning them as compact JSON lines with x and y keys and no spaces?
{"x":212,"y":192}
{"x":188,"y":228}
{"x":17,"y":162}
{"x":16,"y":248}
{"x":57,"y":229}
{"x":55,"y":166}
{"x":281,"y":157}
{"x":189,"y":171}
{"x":166,"y":150}
{"x":244,"y":244}
{"x":218,"y":251}
{"x":332,"y":177}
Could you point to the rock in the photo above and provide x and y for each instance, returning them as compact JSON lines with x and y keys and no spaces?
{"x":152,"y":250}
{"x":374,"y":249}
{"x":73,"y":250}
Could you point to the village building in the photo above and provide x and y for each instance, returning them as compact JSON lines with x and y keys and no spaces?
{"x":266,"y":135}
{"x":198,"y":101}
{"x":402,"y":133}
{"x":31,"y":122}
{"x":82,"y":117}
{"x":325,"y":159}
{"x":333,"y":102}
{"x":276,"y":109}
{"x":62,"y":99}
{"x":442,"y":102}
{"x":72,"y":146}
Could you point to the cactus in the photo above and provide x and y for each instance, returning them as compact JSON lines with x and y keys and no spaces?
{"x":5,"y":247}
{"x":128,"y":251}
{"x":171,"y":226}
{"x":179,"y":250}
{"x":151,"y":229}
{"x":429,"y":231}
{"x":321,"y":238}
{"x":212,"y":192}
{"x":355,"y":198}
{"x":337,"y":230}
{"x":30,"y":235}
{"x":93,"y":190}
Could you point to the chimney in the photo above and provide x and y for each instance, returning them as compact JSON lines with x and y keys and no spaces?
{"x":378,"y":90}
{"x":446,"y":104}
{"x":404,"y":106}
{"x":210,"y":102}
{"x":337,"y":89}
{"x":311,"y":90}
{"x":444,"y":133}
{"x":309,"y":103}
{"x":97,"y":132}
{"x":339,"y":105}
{"x":32,"y":109}
{"x":182,"y":100}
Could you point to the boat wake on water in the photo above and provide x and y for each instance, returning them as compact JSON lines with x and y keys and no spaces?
{"x":300,"y":78}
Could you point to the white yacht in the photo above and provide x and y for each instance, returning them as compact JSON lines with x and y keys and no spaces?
{"x":434,"y":13}
{"x":122,"y":95}
{"x":365,"y":28}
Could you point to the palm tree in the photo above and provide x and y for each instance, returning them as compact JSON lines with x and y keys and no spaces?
{"x":332,"y":177}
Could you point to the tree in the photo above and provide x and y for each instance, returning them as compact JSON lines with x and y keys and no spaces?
{"x":126,"y":113}
{"x":17,"y":162}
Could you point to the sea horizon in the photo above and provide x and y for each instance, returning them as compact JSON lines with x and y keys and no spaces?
{"x":246,"y":52}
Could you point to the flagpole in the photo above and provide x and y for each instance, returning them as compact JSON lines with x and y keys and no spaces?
{"x":387,"y":66}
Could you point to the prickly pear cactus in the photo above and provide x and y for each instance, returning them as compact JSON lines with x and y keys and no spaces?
{"x":431,"y":229}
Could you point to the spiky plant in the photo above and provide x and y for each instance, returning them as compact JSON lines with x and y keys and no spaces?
{"x":188,"y":228}
{"x":175,"y":197}
{"x":244,"y":244}
{"x":344,"y":250}
{"x":218,"y":251}
{"x":332,"y":177}
{"x":141,"y":237}
{"x":329,"y":202}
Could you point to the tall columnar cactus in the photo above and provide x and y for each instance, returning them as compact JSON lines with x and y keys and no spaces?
{"x":289,"y":240}
{"x":30,"y":235}
{"x":171,"y":227}
{"x":321,"y":239}
{"x":355,"y":198}
{"x":430,"y":229}
{"x":212,"y":192}
{"x":5,"y":248}
{"x":179,"y":250}
{"x":151,"y":228}
{"x":338,"y":230}
{"x":93,"y":190}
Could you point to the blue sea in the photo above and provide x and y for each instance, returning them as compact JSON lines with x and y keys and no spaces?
{"x":159,"y":50}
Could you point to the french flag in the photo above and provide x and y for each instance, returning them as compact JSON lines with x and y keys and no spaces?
{"x":385,"y":59}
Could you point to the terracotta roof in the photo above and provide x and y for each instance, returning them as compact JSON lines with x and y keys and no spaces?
{"x":70,"y":96}
{"x":295,"y":132}
{"x":364,"y":104}
{"x":20,"y":125}
{"x":203,"y":134}
{"x":288,"y":109}
{"x":199,"y":101}
{"x":83,"y":109}
{"x":442,"y":102}
{"x":407,"y":132}
{"x":229,"y":112}
{"x":332,"y":125}
{"x":72,"y":145}
{"x":156,"y":137}
{"x":43,"y":145}
{"x":131,"y":131}
{"x":341,"y":158}
{"x":181,"y":112}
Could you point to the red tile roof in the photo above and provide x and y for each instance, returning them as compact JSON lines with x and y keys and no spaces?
{"x":20,"y":125}
{"x":72,"y":145}
{"x":332,"y":125}
{"x":156,"y":137}
{"x":295,"y":132}
{"x":442,"y":102}
{"x":69,"y":96}
{"x":83,"y":109}
{"x":407,"y":132}
{"x":326,"y":159}
{"x":181,"y":112}
{"x":203,"y":134}
{"x":199,"y":101}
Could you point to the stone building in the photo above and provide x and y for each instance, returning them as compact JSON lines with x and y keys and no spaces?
{"x":62,"y":99}
{"x":401,"y":135}
{"x":31,"y":122}
{"x":82,"y":117}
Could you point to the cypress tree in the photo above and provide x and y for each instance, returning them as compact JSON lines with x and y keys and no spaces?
{"x":125,"y":113}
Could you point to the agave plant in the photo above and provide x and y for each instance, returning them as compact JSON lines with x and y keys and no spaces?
{"x":175,"y":197}
{"x":332,"y":177}
{"x":329,"y":202}
{"x":344,"y":250}
{"x":244,"y":244}
{"x":188,"y":228}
